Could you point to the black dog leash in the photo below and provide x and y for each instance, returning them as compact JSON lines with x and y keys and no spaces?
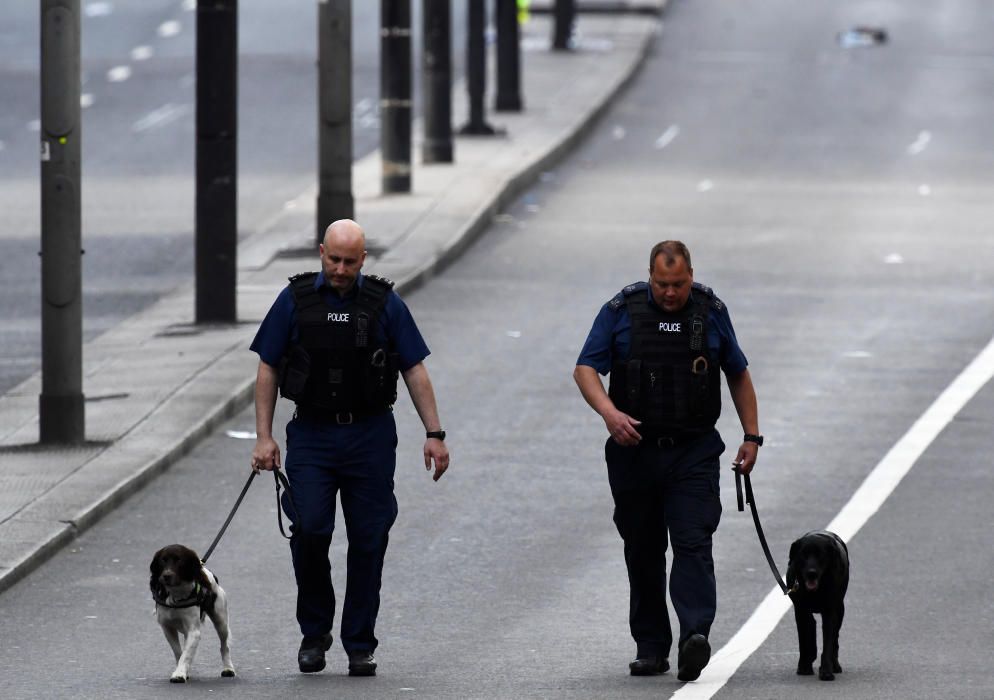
{"x":751,"y":500}
{"x":279,"y":478}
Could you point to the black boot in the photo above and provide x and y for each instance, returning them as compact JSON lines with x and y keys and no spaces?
{"x":362,"y":663}
{"x":310,"y":658}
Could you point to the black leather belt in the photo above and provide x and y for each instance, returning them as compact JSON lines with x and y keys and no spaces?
{"x":321,"y":415}
{"x":666,"y":442}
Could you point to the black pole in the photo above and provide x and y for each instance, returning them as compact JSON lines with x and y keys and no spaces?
{"x":476,"y":69}
{"x":562,"y":29}
{"x":335,"y":200}
{"x":395,"y":94}
{"x":508,"y":58}
{"x":217,"y":161}
{"x":437,"y":81}
{"x":61,"y":403}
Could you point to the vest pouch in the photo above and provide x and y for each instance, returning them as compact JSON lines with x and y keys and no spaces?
{"x":380,"y":385}
{"x":295,"y":368}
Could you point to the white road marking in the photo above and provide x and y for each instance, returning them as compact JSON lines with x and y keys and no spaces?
{"x":924,"y":190}
{"x":667,"y":136}
{"x":857,"y":354}
{"x":98,"y":9}
{"x":618,"y":132}
{"x":894,"y":259}
{"x":86,"y":100}
{"x":141,"y":53}
{"x":118,"y":74}
{"x":705,"y":186}
{"x":920,"y":143}
{"x":170,"y":28}
{"x":866,"y":501}
{"x":160,"y":117}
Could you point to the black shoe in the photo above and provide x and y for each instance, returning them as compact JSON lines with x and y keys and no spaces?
{"x":362,"y":663}
{"x":649,"y":666}
{"x":310,"y":658}
{"x":694,"y":656}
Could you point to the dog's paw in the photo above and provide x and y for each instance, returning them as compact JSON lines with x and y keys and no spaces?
{"x":805,"y":670}
{"x":825,"y":675}
{"x":177,"y":678}
{"x":228,"y":673}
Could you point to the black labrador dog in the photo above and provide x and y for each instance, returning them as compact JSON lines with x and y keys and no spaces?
{"x":817,"y":579}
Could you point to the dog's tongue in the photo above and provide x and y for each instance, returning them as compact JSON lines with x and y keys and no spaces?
{"x":811,"y":585}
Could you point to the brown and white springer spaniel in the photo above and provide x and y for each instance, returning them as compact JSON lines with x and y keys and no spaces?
{"x":185,"y":592}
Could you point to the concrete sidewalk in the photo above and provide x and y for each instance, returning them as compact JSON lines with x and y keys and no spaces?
{"x":157,"y":384}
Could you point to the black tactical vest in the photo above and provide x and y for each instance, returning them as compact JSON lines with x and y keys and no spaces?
{"x":668,"y":381}
{"x":339,"y":365}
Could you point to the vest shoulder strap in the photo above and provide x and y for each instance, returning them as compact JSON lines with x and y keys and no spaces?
{"x":374,"y":291}
{"x":713,"y":300}
{"x":305,"y":296}
{"x":619,"y":299}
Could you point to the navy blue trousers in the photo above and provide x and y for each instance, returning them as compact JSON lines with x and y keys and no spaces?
{"x":356,"y":462}
{"x":658,"y":492}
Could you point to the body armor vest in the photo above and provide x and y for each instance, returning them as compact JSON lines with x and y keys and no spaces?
{"x":668,"y":381}
{"x":338,"y":364}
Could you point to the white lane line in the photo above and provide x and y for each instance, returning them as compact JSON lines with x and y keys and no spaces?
{"x":924,"y":190}
{"x":118,"y":74}
{"x":98,"y":9}
{"x":141,"y":53}
{"x":667,"y":136}
{"x":160,"y":117}
{"x":920,"y":143}
{"x":170,"y":28}
{"x":866,"y":501}
{"x":705,"y":186}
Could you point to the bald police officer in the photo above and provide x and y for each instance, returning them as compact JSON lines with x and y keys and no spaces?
{"x":663,"y":343}
{"x":335,"y":342}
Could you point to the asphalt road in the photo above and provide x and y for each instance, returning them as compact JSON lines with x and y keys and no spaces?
{"x":837,"y":199}
{"x":138,"y":86}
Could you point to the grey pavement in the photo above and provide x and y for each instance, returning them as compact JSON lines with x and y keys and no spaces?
{"x":157,"y":383}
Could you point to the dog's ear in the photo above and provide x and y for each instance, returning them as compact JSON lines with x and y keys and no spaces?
{"x":791,"y":563}
{"x":155,"y":568}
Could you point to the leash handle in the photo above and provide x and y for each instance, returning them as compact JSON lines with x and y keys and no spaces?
{"x":279,"y":478}
{"x":210,"y":550}
{"x":751,"y":500}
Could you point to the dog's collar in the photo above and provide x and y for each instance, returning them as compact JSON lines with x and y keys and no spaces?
{"x":201,"y":597}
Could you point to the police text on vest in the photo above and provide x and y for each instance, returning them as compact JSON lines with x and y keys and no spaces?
{"x":665,"y":327}
{"x":338,"y":318}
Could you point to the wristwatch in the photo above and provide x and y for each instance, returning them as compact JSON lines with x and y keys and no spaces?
{"x":438,"y":434}
{"x":749,"y":437}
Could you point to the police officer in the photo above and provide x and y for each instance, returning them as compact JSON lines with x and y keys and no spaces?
{"x":663,"y":343}
{"x":334,"y":342}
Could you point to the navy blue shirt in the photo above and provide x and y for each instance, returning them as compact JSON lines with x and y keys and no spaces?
{"x":610,"y":339}
{"x":394,"y":325}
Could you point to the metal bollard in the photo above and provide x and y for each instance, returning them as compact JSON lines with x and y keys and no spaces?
{"x":508,"y":58}
{"x":395,"y":94}
{"x":437,"y":81}
{"x":61,"y":403}
{"x":335,"y":200}
{"x":562,"y":29}
{"x":217,"y":164}
{"x":476,"y":70}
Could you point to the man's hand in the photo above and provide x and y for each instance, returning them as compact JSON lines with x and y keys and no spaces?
{"x":622,"y":428}
{"x":266,"y":455}
{"x":435,"y":450}
{"x":746,"y":458}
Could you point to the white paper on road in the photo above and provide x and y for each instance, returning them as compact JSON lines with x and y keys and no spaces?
{"x":866,"y":501}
